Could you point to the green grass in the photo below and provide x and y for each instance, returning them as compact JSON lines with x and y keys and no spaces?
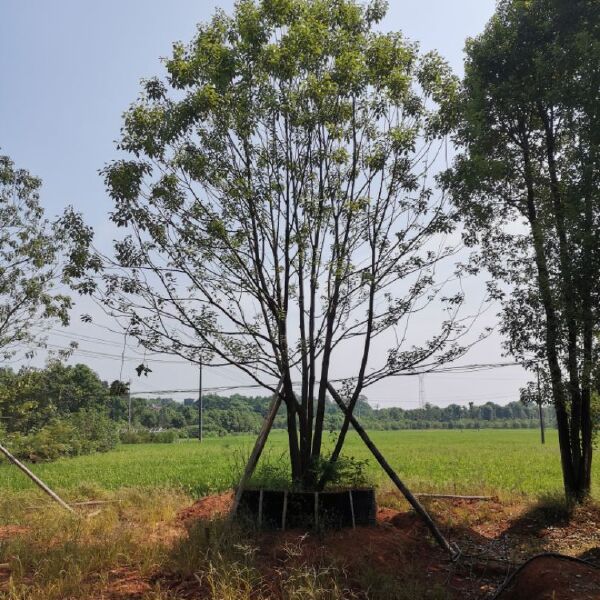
{"x":505,"y":462}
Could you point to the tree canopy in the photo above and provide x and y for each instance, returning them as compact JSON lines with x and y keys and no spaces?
{"x":526,"y":186}
{"x":32,"y":266}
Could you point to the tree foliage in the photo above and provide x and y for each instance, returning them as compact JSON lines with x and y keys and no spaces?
{"x":527,"y":187}
{"x":56,"y":411}
{"x":31,"y":265}
{"x":31,"y":398}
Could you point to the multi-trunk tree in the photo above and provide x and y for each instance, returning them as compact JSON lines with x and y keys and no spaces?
{"x":280,"y":210}
{"x":527,"y":185}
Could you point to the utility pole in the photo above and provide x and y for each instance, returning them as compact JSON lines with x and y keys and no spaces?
{"x":540,"y":407}
{"x":129,"y":404}
{"x":200,"y":404}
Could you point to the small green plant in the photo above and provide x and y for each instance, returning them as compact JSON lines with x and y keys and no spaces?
{"x":272,"y":472}
{"x":345,"y":472}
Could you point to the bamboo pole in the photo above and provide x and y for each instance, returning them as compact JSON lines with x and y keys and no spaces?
{"x":419,"y":509}
{"x":284,"y":511}
{"x":454,"y":497}
{"x":260,"y":507}
{"x":35,"y":479}
{"x":352,"y":509}
{"x":259,"y":445}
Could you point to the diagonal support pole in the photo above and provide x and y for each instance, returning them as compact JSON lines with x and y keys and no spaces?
{"x":412,"y":500}
{"x":35,"y":479}
{"x":259,"y":445}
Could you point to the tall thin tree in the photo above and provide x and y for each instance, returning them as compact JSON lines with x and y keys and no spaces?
{"x":527,"y":186}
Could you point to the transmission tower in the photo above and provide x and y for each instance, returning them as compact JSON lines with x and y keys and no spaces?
{"x":421,"y":390}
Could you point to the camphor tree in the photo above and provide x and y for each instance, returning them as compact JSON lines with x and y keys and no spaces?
{"x":279,"y":211}
{"x":527,"y":186}
{"x":32,"y":265}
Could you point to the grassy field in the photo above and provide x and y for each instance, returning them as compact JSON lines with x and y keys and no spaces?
{"x":505,"y":462}
{"x":136,"y":546}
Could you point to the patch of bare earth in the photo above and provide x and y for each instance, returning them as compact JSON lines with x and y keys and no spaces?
{"x":494,"y":538}
{"x":126,"y":584}
{"x":9,"y":531}
{"x":552,"y":578}
{"x":207,"y":508}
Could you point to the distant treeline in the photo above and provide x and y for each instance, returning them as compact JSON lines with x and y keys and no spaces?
{"x":237,"y":414}
{"x":68,"y":410}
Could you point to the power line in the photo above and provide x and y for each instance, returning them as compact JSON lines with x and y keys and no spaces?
{"x":470,"y":368}
{"x":459,"y":369}
{"x":106,"y":355}
{"x":433,"y":370}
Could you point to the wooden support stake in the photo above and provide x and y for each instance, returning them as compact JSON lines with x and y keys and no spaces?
{"x":72,"y":504}
{"x":352,"y":509}
{"x":259,"y":445}
{"x":453,"y":497}
{"x":260,"y":507}
{"x":95,"y":502}
{"x":35,"y":479}
{"x":419,"y":509}
{"x":284,"y":512}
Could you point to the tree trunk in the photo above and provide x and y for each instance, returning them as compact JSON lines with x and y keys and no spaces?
{"x":588,"y":333}
{"x":292,"y":430}
{"x":552,"y":334}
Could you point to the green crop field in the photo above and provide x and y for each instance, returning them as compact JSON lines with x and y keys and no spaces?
{"x":505,"y":462}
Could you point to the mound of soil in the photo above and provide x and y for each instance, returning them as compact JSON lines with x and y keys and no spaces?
{"x":397,"y":543}
{"x":553,"y":578}
{"x":394,"y":531}
{"x":209,"y":507}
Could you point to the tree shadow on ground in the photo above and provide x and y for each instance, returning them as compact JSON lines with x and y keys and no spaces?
{"x":550,"y":511}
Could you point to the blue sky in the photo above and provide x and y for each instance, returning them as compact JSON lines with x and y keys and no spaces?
{"x":71,"y":67}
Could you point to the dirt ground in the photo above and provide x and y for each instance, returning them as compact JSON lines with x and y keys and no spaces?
{"x":494,"y":540}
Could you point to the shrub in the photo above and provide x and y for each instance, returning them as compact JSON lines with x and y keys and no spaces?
{"x":84,"y":432}
{"x":94,"y":430}
{"x":56,"y":439}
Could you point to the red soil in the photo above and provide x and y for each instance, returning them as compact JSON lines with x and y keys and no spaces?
{"x":552,"y":578}
{"x":209,"y":507}
{"x":6,"y":532}
{"x":392,"y":538}
{"x":399,"y":544}
{"x":127,"y":584}
{"x":9,"y":531}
